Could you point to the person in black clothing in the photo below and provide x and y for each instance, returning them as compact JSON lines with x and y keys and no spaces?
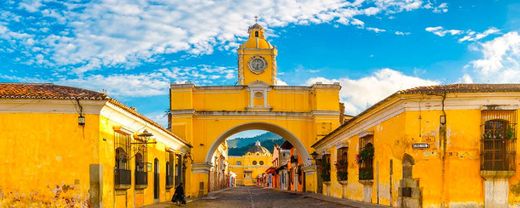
{"x":178,"y":196}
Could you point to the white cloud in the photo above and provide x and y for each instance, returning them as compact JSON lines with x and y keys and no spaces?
{"x":466,"y":78}
{"x":160,"y":117}
{"x":474,"y":36}
{"x":500,"y":62}
{"x":139,"y":85}
{"x":111,"y":33}
{"x":467,"y":35}
{"x":30,"y":5}
{"x":441,"y":32}
{"x":400,"y":33}
{"x":358,"y":94}
{"x":280,"y":82}
{"x":376,"y":30}
{"x":442,"y":8}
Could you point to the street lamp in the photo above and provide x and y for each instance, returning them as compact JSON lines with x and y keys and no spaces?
{"x":145,"y":138}
{"x":314,"y":155}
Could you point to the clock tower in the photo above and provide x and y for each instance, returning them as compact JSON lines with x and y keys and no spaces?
{"x":256,"y":59}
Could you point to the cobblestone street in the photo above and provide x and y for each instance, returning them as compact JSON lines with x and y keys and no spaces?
{"x":255,"y":197}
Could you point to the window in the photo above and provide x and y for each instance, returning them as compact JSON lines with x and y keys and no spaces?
{"x":239,"y":163}
{"x":141,"y":176}
{"x":256,"y":34}
{"x":169,"y":170}
{"x":365,"y":158}
{"x":342,"y":164}
{"x":261,"y":162}
{"x":254,"y":162}
{"x":325,"y":167}
{"x":498,"y":140}
{"x":121,"y":170}
{"x":178,"y":169}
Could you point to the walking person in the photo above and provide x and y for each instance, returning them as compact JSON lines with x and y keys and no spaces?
{"x":178,"y":197}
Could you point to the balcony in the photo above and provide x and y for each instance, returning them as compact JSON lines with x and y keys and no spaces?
{"x":497,"y":151}
{"x":141,"y":179}
{"x":366,"y":174}
{"x":122,"y":179}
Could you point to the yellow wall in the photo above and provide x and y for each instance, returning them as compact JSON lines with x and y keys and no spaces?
{"x":37,"y":150}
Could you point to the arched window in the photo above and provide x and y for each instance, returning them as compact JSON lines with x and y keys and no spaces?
{"x":122,"y":175}
{"x":256,"y":34}
{"x":121,"y":159}
{"x":170,"y":170}
{"x":365,"y":158}
{"x":139,"y":162}
{"x":325,"y":167}
{"x":141,"y":177}
{"x":342,"y":164}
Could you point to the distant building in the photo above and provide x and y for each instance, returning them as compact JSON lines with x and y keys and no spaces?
{"x":219,"y":173}
{"x":250,"y":165}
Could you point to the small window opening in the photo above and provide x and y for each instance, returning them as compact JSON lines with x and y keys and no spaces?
{"x":256,"y":34}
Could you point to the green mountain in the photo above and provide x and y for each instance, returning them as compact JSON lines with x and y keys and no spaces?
{"x":239,"y":146}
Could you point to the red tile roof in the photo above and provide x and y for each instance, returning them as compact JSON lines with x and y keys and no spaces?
{"x":47,"y":91}
{"x":58,"y":92}
{"x":462,"y":88}
{"x":430,"y":90}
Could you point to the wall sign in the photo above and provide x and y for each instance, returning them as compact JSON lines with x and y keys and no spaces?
{"x":420,"y":145}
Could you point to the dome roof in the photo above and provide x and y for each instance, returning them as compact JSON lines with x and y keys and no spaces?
{"x":256,"y":26}
{"x":258,"y":149}
{"x":256,"y":38}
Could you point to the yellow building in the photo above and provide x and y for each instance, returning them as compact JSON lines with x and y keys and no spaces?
{"x":250,"y":165}
{"x":437,"y":146}
{"x":63,"y":146}
{"x":207,"y":115}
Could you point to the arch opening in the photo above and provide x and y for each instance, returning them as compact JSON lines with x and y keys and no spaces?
{"x":282,"y":132}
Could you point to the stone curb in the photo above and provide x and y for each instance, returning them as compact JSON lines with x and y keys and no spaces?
{"x":346,"y":202}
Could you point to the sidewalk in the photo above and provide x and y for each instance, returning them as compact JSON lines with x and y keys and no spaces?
{"x":168,"y":204}
{"x":346,"y":202}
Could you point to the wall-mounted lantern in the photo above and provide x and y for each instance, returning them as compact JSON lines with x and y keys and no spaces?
{"x":314,"y":155}
{"x":81,"y":120}
{"x":443,"y":119}
{"x":187,"y":156}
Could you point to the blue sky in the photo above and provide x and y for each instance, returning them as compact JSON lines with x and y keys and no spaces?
{"x":134,"y":49}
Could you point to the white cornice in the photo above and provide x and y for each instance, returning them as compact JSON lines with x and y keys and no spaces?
{"x":183,"y":112}
{"x":200,"y":167}
{"x":50,"y":106}
{"x":255,"y":113}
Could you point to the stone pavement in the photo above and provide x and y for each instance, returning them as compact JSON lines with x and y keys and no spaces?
{"x":251,"y":197}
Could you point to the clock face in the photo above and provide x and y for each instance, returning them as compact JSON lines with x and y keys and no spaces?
{"x":257,"y":64}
